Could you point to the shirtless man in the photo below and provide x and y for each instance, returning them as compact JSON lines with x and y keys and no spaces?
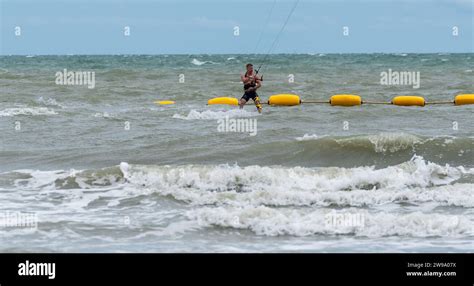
{"x":251,"y":83}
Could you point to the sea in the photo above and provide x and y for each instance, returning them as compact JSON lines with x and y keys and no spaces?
{"x":104,"y":168}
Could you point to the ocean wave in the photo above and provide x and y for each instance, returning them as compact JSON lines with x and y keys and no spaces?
{"x":34,"y":111}
{"x":387,"y":143}
{"x":384,"y":142}
{"x":234,"y":185}
{"x":61,"y":179}
{"x":211,"y":114}
{"x":409,"y":199}
{"x":381,"y":143}
{"x":200,"y":63}
{"x":267,"y":221}
{"x":415,"y":182}
{"x":308,"y":137}
{"x":49,"y":101}
{"x":104,"y":115}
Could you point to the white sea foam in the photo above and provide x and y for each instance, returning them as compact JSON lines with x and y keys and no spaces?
{"x":416,"y":181}
{"x":273,"y":222}
{"x":200,"y":63}
{"x":104,"y":115}
{"x":49,"y":101}
{"x":27,"y":111}
{"x":401,"y":200}
{"x":211,"y":114}
{"x":307,"y":137}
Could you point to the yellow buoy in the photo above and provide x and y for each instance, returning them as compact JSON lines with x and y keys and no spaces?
{"x":223,"y":100}
{"x":284,"y":99}
{"x":408,"y":100}
{"x":461,"y":99}
{"x":164,"y":102}
{"x":345,"y":100}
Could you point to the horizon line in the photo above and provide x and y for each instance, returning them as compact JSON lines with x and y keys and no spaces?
{"x":234,"y":54}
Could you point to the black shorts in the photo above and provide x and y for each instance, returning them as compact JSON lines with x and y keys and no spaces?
{"x":249,"y":95}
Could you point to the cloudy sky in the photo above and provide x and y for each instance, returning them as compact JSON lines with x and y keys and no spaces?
{"x":194,"y":26}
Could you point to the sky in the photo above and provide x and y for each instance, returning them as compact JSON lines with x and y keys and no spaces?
{"x":209,"y":27}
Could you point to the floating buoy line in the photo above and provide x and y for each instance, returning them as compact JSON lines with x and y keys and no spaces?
{"x":335,"y":100}
{"x":340,"y":100}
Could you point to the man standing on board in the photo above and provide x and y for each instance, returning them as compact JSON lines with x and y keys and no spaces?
{"x":251,"y":83}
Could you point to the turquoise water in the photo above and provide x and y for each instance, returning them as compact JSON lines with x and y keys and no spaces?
{"x":106,"y":169}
